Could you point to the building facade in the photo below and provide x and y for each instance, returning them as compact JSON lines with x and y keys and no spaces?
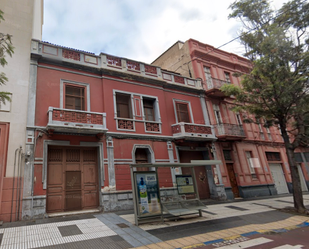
{"x":91,"y":116}
{"x":23,"y":20}
{"x":255,"y":162}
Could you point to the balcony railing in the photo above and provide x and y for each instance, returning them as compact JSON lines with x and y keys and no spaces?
{"x":230,"y":131}
{"x":196,"y":131}
{"x":213,"y":87}
{"x":66,"y":120}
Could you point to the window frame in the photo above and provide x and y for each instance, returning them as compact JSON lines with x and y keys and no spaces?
{"x":227,"y":76}
{"x":129,"y":105}
{"x":190,"y":115}
{"x":140,"y":117}
{"x":217,"y":113}
{"x":81,"y":97}
{"x":208,"y":76}
{"x":63,"y":84}
{"x":146,"y":106}
{"x":252,"y":170}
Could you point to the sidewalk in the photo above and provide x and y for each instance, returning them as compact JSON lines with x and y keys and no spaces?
{"x":109,"y":230}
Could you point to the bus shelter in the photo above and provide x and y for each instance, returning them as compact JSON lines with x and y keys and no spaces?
{"x":152,"y":203}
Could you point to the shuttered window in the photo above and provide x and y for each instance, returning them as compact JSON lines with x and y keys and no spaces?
{"x":123,"y":105}
{"x":149,"y":109}
{"x":182,"y":112}
{"x":74,"y":98}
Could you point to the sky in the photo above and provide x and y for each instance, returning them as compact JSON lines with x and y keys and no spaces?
{"x":140,"y":30}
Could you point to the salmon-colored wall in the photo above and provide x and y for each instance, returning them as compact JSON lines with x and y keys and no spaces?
{"x":122,"y":171}
{"x":4,"y":139}
{"x":8,"y":214}
{"x":48,"y":91}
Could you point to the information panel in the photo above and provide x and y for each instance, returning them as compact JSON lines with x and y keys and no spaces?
{"x":148,"y":197}
{"x":185,"y":184}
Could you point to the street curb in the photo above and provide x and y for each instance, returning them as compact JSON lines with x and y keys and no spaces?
{"x":242,"y":237}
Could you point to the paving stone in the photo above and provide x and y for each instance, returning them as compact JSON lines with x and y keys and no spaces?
{"x":69,"y":230}
{"x":237,"y":208}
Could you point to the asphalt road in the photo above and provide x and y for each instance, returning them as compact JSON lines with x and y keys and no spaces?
{"x":297,"y":238}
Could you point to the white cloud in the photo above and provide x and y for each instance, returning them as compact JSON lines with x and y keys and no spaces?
{"x":138,"y":29}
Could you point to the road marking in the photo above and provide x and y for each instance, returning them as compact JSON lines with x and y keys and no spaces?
{"x":247,"y":244}
{"x":288,"y":247}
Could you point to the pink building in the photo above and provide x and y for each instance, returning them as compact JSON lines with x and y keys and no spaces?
{"x":91,"y":116}
{"x":255,"y":163}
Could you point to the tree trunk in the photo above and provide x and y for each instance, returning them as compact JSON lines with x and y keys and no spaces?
{"x":297,"y":191}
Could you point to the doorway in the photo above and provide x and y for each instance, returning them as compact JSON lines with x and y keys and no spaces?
{"x":233,"y":180}
{"x":200,"y":171}
{"x":278,"y":177}
{"x":72,"y":179}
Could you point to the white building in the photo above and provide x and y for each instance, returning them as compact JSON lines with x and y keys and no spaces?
{"x":23,"y":20}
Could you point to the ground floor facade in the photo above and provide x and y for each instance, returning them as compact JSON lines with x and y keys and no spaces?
{"x":69,"y":172}
{"x":258,"y":169}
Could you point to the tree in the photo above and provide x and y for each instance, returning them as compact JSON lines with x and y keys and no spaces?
{"x":6,"y":48}
{"x":276,"y":89}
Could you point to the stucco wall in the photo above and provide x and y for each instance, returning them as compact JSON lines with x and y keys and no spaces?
{"x":18,"y":22}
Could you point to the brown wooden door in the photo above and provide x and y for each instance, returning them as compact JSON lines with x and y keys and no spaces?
{"x":233,"y":180}
{"x":72,"y":179}
{"x":200,"y":171}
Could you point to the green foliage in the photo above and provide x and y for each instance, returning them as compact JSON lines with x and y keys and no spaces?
{"x":277,"y":44}
{"x":6,"y":48}
{"x":277,"y":89}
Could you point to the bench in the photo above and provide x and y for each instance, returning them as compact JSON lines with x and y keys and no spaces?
{"x":183,"y":207}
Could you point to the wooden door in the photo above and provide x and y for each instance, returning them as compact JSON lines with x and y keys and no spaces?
{"x":90,"y":180}
{"x":233,"y":181}
{"x":200,"y":171}
{"x":72,"y":179}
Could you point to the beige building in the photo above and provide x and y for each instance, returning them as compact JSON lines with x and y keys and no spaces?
{"x":23,"y":20}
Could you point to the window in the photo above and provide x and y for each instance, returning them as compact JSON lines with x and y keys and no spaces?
{"x":74,"y":97}
{"x":227,"y":155}
{"x":123,"y":103}
{"x":268,"y":131}
{"x":227,"y":77}
{"x":217,"y":114}
{"x":182,"y":112}
{"x":250,"y":163}
{"x":261,"y":131}
{"x":149,"y":109}
{"x":238,"y":118}
{"x":298,"y":157}
{"x":208,"y":77}
{"x":141,"y":155}
{"x":273,"y":156}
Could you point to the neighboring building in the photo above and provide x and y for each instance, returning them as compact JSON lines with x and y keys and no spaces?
{"x":91,"y":116}
{"x":23,"y":20}
{"x":255,"y":162}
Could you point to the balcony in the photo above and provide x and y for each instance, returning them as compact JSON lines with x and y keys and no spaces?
{"x":230,"y":132}
{"x":213,"y":88}
{"x":65,"y":120}
{"x":188,"y":131}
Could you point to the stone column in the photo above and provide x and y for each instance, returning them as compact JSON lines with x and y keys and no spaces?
{"x":111,"y":166}
{"x":220,"y":189}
